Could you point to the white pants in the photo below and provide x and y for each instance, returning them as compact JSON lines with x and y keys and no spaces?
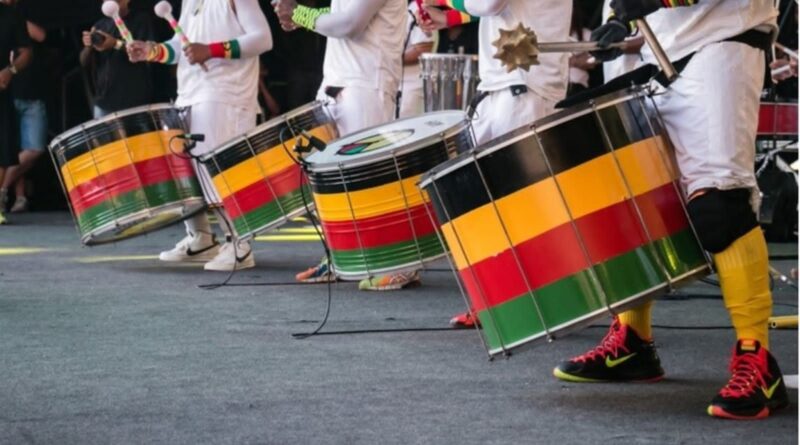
{"x":501,"y":112}
{"x":356,"y":108}
{"x":711,"y":114}
{"x":219,"y":123}
{"x":412,"y":103}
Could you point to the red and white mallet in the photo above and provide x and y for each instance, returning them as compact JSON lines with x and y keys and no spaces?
{"x":111,"y":10}
{"x":164,"y":10}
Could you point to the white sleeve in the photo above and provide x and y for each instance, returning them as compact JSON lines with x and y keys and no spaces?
{"x":484,"y":8}
{"x":257,"y":37}
{"x":350,"y":22}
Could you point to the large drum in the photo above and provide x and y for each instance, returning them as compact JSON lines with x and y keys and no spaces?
{"x":125,"y":174}
{"x":374,"y":217}
{"x":578,"y":216}
{"x":450,"y":81}
{"x":777,"y":120}
{"x":257,"y":174}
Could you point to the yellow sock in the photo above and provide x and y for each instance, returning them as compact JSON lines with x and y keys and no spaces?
{"x":639,"y":320}
{"x":743,"y":270}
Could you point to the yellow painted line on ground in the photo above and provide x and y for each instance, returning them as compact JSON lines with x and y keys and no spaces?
{"x":109,"y":259}
{"x":20,"y":250}
{"x":268,"y":238}
{"x":305,"y":230}
{"x":300,"y":219}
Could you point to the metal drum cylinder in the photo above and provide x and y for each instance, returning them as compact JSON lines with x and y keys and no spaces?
{"x":450,"y":81}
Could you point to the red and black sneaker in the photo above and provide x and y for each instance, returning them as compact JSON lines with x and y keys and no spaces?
{"x":622,"y":356}
{"x":756,"y":387}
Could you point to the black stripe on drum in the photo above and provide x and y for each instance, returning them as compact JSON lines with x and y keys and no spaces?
{"x":457,"y":192}
{"x":100,"y":134}
{"x":625,"y":123}
{"x":378,"y":173}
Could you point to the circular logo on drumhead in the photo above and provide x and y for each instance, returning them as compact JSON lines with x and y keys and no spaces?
{"x":375,"y":142}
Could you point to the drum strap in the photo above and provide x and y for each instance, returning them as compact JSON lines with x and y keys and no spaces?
{"x":516,"y":90}
{"x":644,"y":74}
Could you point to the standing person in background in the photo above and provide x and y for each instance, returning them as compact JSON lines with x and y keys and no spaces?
{"x":418,"y":42}
{"x":228,"y":37}
{"x":28,"y":92}
{"x":15,"y":55}
{"x":362,"y":70}
{"x":119,"y":84}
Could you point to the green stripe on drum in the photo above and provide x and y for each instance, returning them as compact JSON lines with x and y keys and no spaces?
{"x":140,"y":199}
{"x":517,"y":321}
{"x":254,"y":221}
{"x":393,"y":255}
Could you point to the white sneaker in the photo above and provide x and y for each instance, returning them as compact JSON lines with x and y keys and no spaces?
{"x":193,"y":248}
{"x":228,"y":258}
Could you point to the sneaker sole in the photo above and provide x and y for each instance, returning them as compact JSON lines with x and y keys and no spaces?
{"x":719,"y":412}
{"x":561,"y":375}
{"x":228,"y":269}
{"x":392,"y":287}
{"x":317,"y":280}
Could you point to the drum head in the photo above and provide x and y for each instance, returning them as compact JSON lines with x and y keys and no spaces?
{"x":384,"y":141}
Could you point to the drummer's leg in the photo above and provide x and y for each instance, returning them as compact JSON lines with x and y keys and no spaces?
{"x":355,"y":108}
{"x":504,"y":111}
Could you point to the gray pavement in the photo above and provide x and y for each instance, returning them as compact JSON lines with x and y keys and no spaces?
{"x":106,"y":345}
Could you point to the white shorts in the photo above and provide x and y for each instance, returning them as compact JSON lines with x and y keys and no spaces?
{"x":412,"y":103}
{"x":501,"y":112}
{"x":219,"y":123}
{"x":356,"y":108}
{"x":711,"y":114}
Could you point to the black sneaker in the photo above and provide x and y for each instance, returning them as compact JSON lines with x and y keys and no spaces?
{"x":756,"y":387}
{"x":621,"y":357}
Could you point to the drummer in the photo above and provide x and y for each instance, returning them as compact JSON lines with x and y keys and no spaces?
{"x":712,"y":121}
{"x":509,"y":100}
{"x":362,"y":70}
{"x":223,"y":102}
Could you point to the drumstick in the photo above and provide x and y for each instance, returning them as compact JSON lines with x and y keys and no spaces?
{"x":111,"y":10}
{"x":789,"y":52}
{"x":164,"y":10}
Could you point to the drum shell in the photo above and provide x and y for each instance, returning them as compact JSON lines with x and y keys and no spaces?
{"x":374,"y":217}
{"x":258,"y":175}
{"x":554,"y":226}
{"x":450,"y":81}
{"x":125,"y":174}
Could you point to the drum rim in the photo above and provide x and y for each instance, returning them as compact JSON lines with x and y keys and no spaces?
{"x":54,"y":144}
{"x":434,"y":56}
{"x":272,"y":123}
{"x":321,"y":167}
{"x":524,"y":132}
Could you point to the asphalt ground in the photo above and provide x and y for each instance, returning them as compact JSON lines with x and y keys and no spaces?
{"x":108,"y":345}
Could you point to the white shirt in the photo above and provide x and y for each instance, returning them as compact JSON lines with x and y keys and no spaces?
{"x":230,"y":81}
{"x":374,"y":58}
{"x":622,"y":64}
{"x":684,"y":30}
{"x":550,"y":19}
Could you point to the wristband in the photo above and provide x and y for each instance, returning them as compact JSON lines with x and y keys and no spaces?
{"x":225,"y":50}
{"x":676,"y":3}
{"x":307,"y":17}
{"x":161,"y":53}
{"x":456,"y":18}
{"x":454,"y":4}
{"x":119,"y":44}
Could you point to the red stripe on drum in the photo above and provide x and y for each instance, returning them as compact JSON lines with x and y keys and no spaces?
{"x":128,"y":178}
{"x":259,"y":193}
{"x":379,"y":231}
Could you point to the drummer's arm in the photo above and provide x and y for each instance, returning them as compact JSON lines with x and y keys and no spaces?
{"x":341,"y":24}
{"x":257,"y":37}
{"x":475,"y":8}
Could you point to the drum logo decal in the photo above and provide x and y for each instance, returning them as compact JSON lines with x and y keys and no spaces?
{"x":375,"y":142}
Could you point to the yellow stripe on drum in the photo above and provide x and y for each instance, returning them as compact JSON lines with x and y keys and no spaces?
{"x":265,"y":164}
{"x":644,"y":165}
{"x":538,"y":208}
{"x":526,"y":214}
{"x":117,"y":154}
{"x":370,"y":202}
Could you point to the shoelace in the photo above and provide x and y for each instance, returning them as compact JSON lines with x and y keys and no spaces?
{"x":611,"y":343}
{"x":747,"y":374}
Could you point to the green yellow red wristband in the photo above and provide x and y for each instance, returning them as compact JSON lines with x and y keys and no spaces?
{"x":225,"y":50}
{"x":161,"y":53}
{"x":454,"y":4}
{"x":677,"y":3}
{"x":456,"y":18}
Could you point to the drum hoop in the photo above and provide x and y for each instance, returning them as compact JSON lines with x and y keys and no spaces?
{"x":432,"y":56}
{"x":56,"y":142}
{"x":334,"y":165}
{"x":272,"y":123}
{"x":543,"y":124}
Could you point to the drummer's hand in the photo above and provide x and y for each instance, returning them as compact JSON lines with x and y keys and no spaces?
{"x":786,"y":73}
{"x":5,"y":78}
{"x":87,"y":38}
{"x":139,"y":51}
{"x":613,"y":31}
{"x":108,"y":42}
{"x":196,"y":53}
{"x":284,"y":9}
{"x":437,"y":20}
